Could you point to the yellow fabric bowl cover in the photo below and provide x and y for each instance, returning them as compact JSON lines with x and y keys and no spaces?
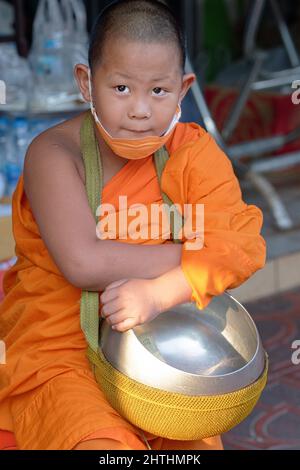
{"x":172,"y":415}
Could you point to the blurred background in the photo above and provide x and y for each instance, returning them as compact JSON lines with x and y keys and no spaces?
{"x":246,"y":58}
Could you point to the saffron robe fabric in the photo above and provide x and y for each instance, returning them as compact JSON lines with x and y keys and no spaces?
{"x":49,"y":398}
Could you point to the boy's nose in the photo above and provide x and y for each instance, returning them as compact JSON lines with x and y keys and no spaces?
{"x":140,"y":111}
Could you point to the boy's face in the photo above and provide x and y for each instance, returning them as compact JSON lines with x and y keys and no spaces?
{"x":136,"y":87}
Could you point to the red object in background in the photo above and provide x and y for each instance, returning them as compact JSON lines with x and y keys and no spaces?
{"x":265,"y":115}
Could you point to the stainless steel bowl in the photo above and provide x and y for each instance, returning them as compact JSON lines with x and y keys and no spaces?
{"x":190,"y":351}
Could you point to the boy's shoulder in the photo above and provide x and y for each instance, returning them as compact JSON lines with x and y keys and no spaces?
{"x":192,"y":147}
{"x":188,"y":137}
{"x":66,"y":132}
{"x":64,"y":137}
{"x":68,"y":126}
{"x":186,"y":133}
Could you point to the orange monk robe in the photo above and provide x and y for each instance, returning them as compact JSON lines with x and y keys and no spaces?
{"x":48,"y":395}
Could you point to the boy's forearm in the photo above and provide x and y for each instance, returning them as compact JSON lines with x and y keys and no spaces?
{"x":111,"y":261}
{"x":172,"y":288}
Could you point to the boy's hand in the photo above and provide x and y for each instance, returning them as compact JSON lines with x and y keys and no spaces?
{"x":129,"y":302}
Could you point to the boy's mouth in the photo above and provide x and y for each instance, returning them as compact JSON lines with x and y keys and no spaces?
{"x":138,"y":131}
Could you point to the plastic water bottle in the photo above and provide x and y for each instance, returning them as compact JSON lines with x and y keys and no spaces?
{"x":76,"y":24}
{"x":16,"y":153}
{"x":2,"y":185}
{"x":49,"y":57}
{"x":16,"y":74}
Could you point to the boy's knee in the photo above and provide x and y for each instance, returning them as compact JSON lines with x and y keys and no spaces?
{"x":101,"y":444}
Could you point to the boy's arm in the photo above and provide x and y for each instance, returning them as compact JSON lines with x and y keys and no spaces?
{"x":233,"y":248}
{"x":123,"y":260}
{"x":172,"y":288}
{"x":232,"y":251}
{"x":59,"y":203}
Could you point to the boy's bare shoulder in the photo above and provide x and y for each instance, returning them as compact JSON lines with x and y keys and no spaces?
{"x":63,"y":139}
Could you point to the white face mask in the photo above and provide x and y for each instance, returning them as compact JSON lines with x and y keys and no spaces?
{"x":133,"y":148}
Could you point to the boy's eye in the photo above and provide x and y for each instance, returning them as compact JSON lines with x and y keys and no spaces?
{"x":122,"y":89}
{"x":158,"y":91}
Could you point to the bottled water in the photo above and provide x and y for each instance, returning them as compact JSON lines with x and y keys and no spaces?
{"x":76,"y":27}
{"x":16,"y":150}
{"x":50,"y":58}
{"x":16,"y":75}
{"x":2,"y":184}
{"x":15,"y":137}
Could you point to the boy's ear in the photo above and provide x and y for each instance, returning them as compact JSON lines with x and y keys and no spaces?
{"x":82,"y":78}
{"x":187,"y":82}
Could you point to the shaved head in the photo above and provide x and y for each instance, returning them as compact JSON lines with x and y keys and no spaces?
{"x":136,"y":20}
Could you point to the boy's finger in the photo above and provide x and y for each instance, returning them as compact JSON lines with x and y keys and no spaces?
{"x":125,"y":325}
{"x":117,"y":317}
{"x":110,"y":308}
{"x":116,"y":284}
{"x":109,"y":295}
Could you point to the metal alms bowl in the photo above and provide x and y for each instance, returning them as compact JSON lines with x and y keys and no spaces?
{"x":189,"y":351}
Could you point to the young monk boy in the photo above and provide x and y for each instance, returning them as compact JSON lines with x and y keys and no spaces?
{"x":135,"y":83}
